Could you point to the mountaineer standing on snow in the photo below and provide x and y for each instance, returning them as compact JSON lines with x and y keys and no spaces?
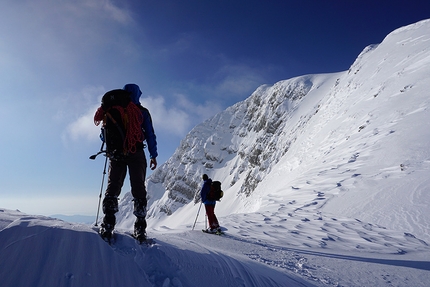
{"x":209,"y":205}
{"x":129,"y":153}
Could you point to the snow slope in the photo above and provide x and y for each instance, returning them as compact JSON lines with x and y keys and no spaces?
{"x":325,"y":180}
{"x":41,"y":251}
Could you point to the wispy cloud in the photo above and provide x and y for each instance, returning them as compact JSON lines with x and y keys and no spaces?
{"x":167,"y":119}
{"x":109,"y":9}
{"x":77,"y":110}
{"x":238,"y":79}
{"x":64,"y":38}
{"x":83,"y":128}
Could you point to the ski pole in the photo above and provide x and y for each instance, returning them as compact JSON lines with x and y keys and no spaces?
{"x":101,"y":190}
{"x":197,"y":215}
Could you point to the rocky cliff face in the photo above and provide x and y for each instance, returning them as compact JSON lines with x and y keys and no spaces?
{"x":242,"y":142}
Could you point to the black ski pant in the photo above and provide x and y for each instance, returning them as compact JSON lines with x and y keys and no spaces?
{"x":136,"y":165}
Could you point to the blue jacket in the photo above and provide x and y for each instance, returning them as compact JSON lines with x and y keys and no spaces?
{"x":147,"y":127}
{"x":206,"y":188}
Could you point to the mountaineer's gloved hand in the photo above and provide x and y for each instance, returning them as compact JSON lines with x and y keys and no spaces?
{"x":153,"y":163}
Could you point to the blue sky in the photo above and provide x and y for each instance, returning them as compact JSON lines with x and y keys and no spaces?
{"x":191,"y":59}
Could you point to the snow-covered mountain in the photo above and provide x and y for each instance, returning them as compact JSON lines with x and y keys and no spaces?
{"x":326,"y":181}
{"x":354,"y":144}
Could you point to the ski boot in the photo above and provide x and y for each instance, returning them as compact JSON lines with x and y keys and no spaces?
{"x":140,"y":230}
{"x":106,"y":232}
{"x":107,"y":227}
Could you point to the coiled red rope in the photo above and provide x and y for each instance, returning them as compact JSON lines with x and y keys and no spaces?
{"x":132,"y":119}
{"x":99,"y":116}
{"x":133,"y":122}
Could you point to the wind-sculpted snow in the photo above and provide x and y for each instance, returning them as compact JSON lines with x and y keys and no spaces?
{"x":258,"y":249}
{"x":40,"y":251}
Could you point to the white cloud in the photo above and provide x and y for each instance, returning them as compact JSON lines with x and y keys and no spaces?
{"x":166,"y":119}
{"x":83,"y":128}
{"x":84,"y":104}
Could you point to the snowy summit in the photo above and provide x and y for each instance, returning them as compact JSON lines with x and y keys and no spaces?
{"x":325,"y":180}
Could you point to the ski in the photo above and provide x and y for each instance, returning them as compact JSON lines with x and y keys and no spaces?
{"x":214,"y":233}
{"x":110,"y":239}
{"x":147,"y":241}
